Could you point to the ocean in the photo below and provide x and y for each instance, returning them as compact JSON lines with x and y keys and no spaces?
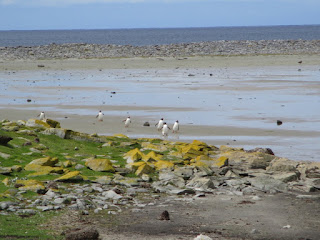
{"x":157,"y":36}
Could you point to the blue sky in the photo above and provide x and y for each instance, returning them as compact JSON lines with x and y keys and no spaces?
{"x":110,"y":14}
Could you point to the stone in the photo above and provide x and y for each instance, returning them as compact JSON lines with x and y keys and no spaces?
{"x":184,"y":172}
{"x":133,"y":155}
{"x":144,"y":169}
{"x":60,"y":132}
{"x":71,"y":177}
{"x":105,"y":180}
{"x":100,"y":165}
{"x":222,"y":161}
{"x":5,"y":139}
{"x":165,"y":215}
{"x":5,"y":155}
{"x":151,"y":157}
{"x":146,"y":124}
{"x":112,"y":195}
{"x":37,"y":123}
{"x":5,"y":170}
{"x":202,"y":237}
{"x":268,"y":184}
{"x":47,"y":161}
{"x":53,"y":123}
{"x":31,"y":185}
{"x":161,"y":164}
{"x":202,"y":183}
{"x":287,"y":177}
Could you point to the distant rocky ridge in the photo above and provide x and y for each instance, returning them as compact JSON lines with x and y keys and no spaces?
{"x":216,"y":48}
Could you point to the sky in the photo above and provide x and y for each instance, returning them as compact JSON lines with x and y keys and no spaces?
{"x":118,"y":14}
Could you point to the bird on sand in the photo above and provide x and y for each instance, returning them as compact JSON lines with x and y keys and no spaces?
{"x":159,"y":125}
{"x":165,"y":129}
{"x":127,"y":122}
{"x":42,"y":116}
{"x":175,"y":127}
{"x":100,"y":116}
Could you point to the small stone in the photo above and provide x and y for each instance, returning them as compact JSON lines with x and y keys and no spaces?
{"x":146,"y":124}
{"x":279,"y":122}
{"x":164,"y":215}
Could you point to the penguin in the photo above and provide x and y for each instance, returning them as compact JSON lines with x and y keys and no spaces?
{"x":159,"y":125}
{"x":175,"y":127}
{"x":42,"y":116}
{"x":127,"y":122}
{"x":100,"y":116}
{"x":165,"y":129}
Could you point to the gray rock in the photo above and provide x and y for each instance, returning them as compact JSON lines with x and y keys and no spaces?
{"x":112,"y":195}
{"x":184,"y":172}
{"x":203,"y":183}
{"x":268,"y":184}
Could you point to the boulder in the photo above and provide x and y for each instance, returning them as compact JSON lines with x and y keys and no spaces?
{"x":31,"y":185}
{"x":151,"y":157}
{"x":100,"y":165}
{"x":53,"y":123}
{"x":47,"y":161}
{"x":133,"y":155}
{"x":71,"y":177}
{"x":60,"y":132}
{"x":161,"y":164}
{"x":267,"y":183}
{"x":144,"y":169}
{"x":202,"y":183}
{"x":37,"y":123}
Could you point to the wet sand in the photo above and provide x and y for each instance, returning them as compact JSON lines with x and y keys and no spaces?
{"x":232,"y":100}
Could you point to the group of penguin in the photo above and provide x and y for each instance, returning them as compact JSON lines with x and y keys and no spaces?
{"x":161,"y":125}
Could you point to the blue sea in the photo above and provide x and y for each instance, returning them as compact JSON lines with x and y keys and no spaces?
{"x":157,"y":36}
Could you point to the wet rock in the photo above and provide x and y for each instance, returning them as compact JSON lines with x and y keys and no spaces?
{"x":164,"y":216}
{"x":146,"y":124}
{"x":279,"y":122}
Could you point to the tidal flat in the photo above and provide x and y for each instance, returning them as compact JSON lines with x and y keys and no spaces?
{"x":234,"y":100}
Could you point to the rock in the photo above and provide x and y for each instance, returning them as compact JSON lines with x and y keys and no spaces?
{"x":5,"y":155}
{"x":185,"y":172}
{"x":146,"y":124}
{"x":60,"y":132}
{"x":47,"y":161}
{"x":5,"y":170}
{"x":112,"y":195}
{"x":268,"y":184}
{"x":53,"y":123}
{"x":144,"y":169}
{"x":88,"y":233}
{"x":71,"y":177}
{"x":313,"y":172}
{"x":100,"y":165}
{"x":262,"y":150}
{"x":279,"y":122}
{"x":282,"y":165}
{"x":133,"y":155}
{"x":4,"y":139}
{"x":182,"y":191}
{"x":202,"y":183}
{"x":287,"y":177}
{"x":31,"y":185}
{"x":222,"y":161}
{"x":164,"y":216}
{"x":202,"y":237}
{"x":161,"y":164}
{"x":37,"y":123}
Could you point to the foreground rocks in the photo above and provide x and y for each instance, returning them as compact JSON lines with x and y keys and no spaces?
{"x":217,"y":48}
{"x":153,"y":169}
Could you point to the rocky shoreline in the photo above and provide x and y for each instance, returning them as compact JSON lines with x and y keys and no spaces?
{"x":161,"y":169}
{"x":216,"y":48}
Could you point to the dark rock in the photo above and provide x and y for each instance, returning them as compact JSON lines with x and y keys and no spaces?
{"x":28,"y":100}
{"x":191,"y":75}
{"x":4,"y":139}
{"x":279,"y":122}
{"x":164,"y":215}
{"x":146,"y":124}
{"x":40,"y":65}
{"x":262,"y":150}
{"x":27,"y":144}
{"x":82,"y":234}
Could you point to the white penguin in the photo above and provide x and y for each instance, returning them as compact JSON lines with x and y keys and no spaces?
{"x":127,"y":122}
{"x":165,"y":129}
{"x":100,"y":116}
{"x":175,"y":127}
{"x":159,"y":125}
{"x":42,"y":116}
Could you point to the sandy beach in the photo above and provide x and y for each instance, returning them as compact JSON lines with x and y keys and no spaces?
{"x":222,"y":100}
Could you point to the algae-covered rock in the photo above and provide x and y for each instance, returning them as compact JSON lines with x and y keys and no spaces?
{"x":31,"y":185}
{"x":154,"y":147}
{"x":37,"y":123}
{"x":6,"y":181}
{"x":5,"y":170}
{"x":119,"y":135}
{"x":60,"y":132}
{"x":100,"y":165}
{"x":163,"y":165}
{"x":222,"y":161}
{"x":151,"y":157}
{"x":53,"y":123}
{"x":144,"y":169}
{"x":47,"y":161}
{"x":134,"y":166}
{"x":71,"y":177}
{"x":133,"y":155}
{"x":202,"y":167}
